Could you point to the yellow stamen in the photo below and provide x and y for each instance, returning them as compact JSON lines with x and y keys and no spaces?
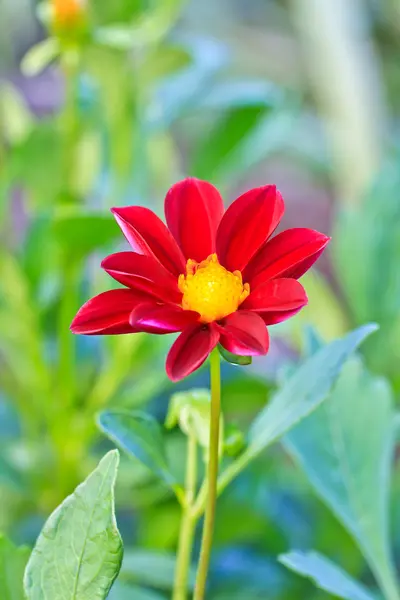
{"x":211,"y":290}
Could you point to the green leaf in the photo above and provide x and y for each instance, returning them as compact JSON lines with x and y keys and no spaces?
{"x":326,"y":575}
{"x":80,"y":233}
{"x":79,"y":551}
{"x":12,"y":566}
{"x":40,"y":56}
{"x":345,"y":449}
{"x":155,"y":569}
{"x":18,"y":122}
{"x":304,"y":391}
{"x":140,"y":435}
{"x":234,"y":359}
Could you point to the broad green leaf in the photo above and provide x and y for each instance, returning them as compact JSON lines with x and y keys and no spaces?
{"x":79,"y":551}
{"x":326,"y":575}
{"x":12,"y":566}
{"x":234,"y":359}
{"x":80,"y":233}
{"x":140,"y":435}
{"x":345,"y":449}
{"x":304,"y":391}
{"x":40,"y":56}
{"x":155,"y":569}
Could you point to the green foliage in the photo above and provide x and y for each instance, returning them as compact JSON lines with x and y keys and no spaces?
{"x":351,"y":472}
{"x":139,"y":435}
{"x":326,"y":575}
{"x":79,"y":550}
{"x":304,"y":391}
{"x":12,"y":565}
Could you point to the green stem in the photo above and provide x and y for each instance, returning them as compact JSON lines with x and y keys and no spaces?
{"x":188,"y":524}
{"x":208,"y":528}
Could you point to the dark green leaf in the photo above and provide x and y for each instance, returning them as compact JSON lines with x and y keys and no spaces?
{"x":140,"y":435}
{"x":79,"y":550}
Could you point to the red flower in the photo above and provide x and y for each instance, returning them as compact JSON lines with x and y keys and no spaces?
{"x":215,"y":276}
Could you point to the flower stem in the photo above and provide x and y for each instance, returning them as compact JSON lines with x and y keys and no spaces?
{"x":187,"y":525}
{"x":209,"y":519}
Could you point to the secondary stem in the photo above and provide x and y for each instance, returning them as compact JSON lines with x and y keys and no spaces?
{"x":187,"y":525}
{"x":208,"y":528}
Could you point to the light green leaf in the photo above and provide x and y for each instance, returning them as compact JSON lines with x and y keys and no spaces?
{"x":140,"y":435}
{"x":15,"y":116}
{"x":326,"y":575}
{"x":304,"y":391}
{"x":191,"y":410}
{"x":12,"y":566}
{"x":345,"y":449}
{"x":79,"y":551}
{"x":40,"y":56}
{"x":155,"y":569}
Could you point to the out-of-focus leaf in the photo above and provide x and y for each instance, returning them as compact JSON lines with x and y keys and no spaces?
{"x":140,"y":435}
{"x":40,"y":56}
{"x":163,"y":61}
{"x":222,"y":142}
{"x":155,"y":569}
{"x":326,"y":575}
{"x":238,"y":94}
{"x":323,"y":311}
{"x":234,"y":359}
{"x":79,"y":550}
{"x":79,"y":233}
{"x":345,"y":449}
{"x":12,"y":566}
{"x":123,"y":591}
{"x":15,"y":117}
{"x":304,"y":391}
{"x":87,"y":165}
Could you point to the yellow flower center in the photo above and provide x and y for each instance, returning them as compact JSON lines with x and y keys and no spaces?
{"x":211,"y":290}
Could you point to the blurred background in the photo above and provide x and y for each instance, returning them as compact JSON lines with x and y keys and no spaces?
{"x":109,"y":103}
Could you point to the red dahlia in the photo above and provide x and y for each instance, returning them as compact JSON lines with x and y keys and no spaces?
{"x":216,"y":276}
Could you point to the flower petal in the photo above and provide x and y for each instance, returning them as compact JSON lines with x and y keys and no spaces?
{"x":247,"y":223}
{"x":162,"y":318}
{"x":276,"y":300}
{"x":190,"y":350}
{"x":193,"y":210}
{"x":244,"y":333}
{"x":289,"y":254}
{"x":141,"y":272}
{"x":148,"y":235}
{"x":108,"y":313}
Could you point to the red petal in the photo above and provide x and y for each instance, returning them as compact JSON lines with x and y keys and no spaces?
{"x":244,"y":333}
{"x":190,"y":350}
{"x":193,"y":210}
{"x":108,"y":313}
{"x":276,"y":300}
{"x":148,"y":235}
{"x":289,"y":254}
{"x":247,"y":223}
{"x":162,"y":318}
{"x":145,"y":273}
